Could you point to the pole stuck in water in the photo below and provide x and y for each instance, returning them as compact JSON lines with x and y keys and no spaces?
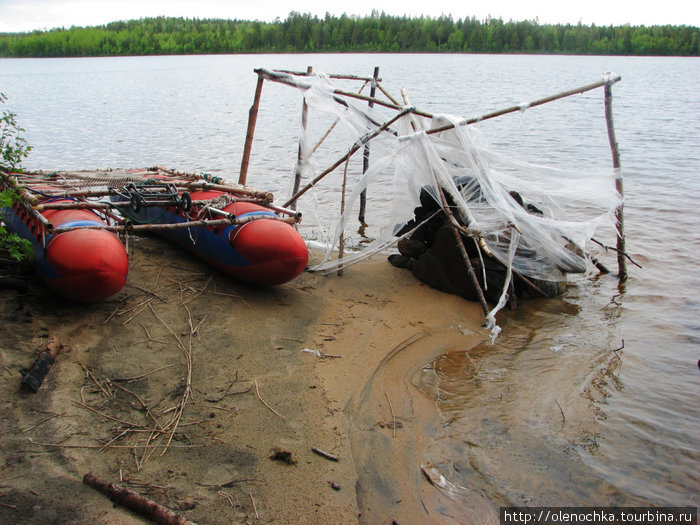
{"x":365,"y":156}
{"x":619,"y":212}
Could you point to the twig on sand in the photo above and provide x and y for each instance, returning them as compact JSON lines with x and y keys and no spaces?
{"x":228,"y":497}
{"x":217,"y":399}
{"x":40,"y":422}
{"x":107,"y":416}
{"x":231,"y":483}
{"x":393,"y":419}
{"x":187,"y":394}
{"x":257,"y":393}
{"x":143,"y":305}
{"x":325,"y":454}
{"x":144,"y":290}
{"x":87,"y":371}
{"x":200,"y":292}
{"x":62,"y":445}
{"x":563,"y":418}
{"x":254,"y":507}
{"x":143,"y":405}
{"x":137,"y":378}
{"x":111,"y":315}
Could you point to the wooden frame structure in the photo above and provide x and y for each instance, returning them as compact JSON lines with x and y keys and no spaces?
{"x":297,"y":80}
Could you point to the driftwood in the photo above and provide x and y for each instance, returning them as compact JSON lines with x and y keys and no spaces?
{"x":132,"y":501}
{"x":33,"y":379}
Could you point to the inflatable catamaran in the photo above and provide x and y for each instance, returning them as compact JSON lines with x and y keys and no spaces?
{"x":74,"y":221}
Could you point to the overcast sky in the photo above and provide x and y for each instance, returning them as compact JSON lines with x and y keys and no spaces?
{"x":26,"y":15}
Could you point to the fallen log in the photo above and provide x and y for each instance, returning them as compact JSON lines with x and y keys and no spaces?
{"x":33,"y":379}
{"x":134,"y":502}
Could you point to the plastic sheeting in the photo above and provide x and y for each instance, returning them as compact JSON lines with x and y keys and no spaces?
{"x":535,"y":217}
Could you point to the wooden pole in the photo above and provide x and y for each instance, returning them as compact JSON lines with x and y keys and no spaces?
{"x":252,"y":119}
{"x":332,"y":126}
{"x":513,"y":109}
{"x":332,"y":75}
{"x":388,"y":95}
{"x":129,"y":227}
{"x":407,"y":102}
{"x":99,"y":205}
{"x":300,"y":155}
{"x":179,"y":185}
{"x":366,"y":138}
{"x":341,"y":242}
{"x":365,"y":156}
{"x":284,"y":78}
{"x":462,"y":249}
{"x":619,"y":213}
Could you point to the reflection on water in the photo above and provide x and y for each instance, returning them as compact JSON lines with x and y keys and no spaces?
{"x":544,"y":417}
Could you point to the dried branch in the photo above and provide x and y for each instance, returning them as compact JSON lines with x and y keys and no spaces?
{"x":563,"y":418}
{"x":106,"y":416}
{"x":255,"y":509}
{"x":606,"y":247}
{"x":137,"y":378}
{"x":257,"y":393}
{"x":87,"y":371}
{"x":134,"y":502}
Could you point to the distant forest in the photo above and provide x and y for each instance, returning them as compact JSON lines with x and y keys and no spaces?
{"x":376,"y":33}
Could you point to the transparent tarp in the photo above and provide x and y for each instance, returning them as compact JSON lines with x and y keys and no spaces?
{"x":533,"y":219}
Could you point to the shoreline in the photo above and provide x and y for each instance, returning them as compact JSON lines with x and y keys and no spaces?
{"x":323,"y":362}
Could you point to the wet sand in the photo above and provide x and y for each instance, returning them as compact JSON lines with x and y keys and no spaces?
{"x":221,"y":377}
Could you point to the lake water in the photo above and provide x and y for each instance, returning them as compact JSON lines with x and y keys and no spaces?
{"x":551,"y":414}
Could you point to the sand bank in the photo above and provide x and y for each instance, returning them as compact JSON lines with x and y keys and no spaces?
{"x":214,"y":377}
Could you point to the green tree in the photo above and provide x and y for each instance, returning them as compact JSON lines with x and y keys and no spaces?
{"x":14,"y":149}
{"x":377,"y":32}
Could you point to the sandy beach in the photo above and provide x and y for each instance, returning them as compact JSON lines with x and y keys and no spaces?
{"x":209,"y":396}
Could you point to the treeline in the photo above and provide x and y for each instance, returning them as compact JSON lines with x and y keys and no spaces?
{"x":376,"y":33}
